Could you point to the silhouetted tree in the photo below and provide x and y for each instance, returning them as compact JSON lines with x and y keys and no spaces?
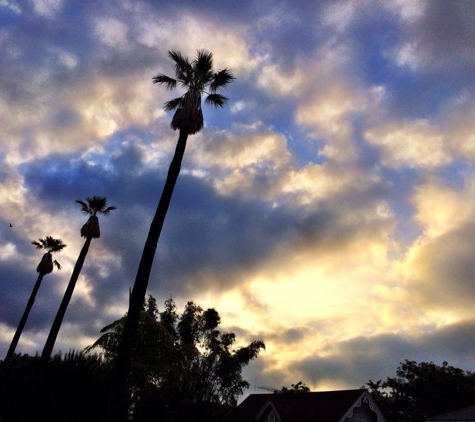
{"x":300,"y":387}
{"x":46,"y":265}
{"x":422,"y":390}
{"x":180,"y":363}
{"x":197,"y":78}
{"x":69,"y":388}
{"x":91,"y":230}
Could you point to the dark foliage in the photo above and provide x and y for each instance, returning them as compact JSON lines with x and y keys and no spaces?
{"x":66,"y":389}
{"x":300,"y":387}
{"x":422,"y":390}
{"x":182,"y":365}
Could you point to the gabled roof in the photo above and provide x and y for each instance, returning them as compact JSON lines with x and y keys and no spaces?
{"x":465,"y":414}
{"x":324,"y":406}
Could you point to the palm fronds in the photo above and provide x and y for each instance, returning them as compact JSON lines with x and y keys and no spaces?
{"x":95,"y":205}
{"x":161,"y":79}
{"x":108,"y":210}
{"x":221,"y":79}
{"x":92,"y":207}
{"x":173,"y":104}
{"x":50,"y":244}
{"x":84,"y":206}
{"x":183,"y":68}
{"x":197,"y":78}
{"x":216,"y":100}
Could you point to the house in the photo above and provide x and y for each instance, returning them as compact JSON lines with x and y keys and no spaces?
{"x":466,"y":414}
{"x":326,"y":406}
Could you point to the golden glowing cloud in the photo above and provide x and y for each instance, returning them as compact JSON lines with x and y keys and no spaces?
{"x":273,"y":79}
{"x":440,"y":209}
{"x":321,"y":294}
{"x":438,"y":266}
{"x":314,"y":182}
{"x":414,"y":143}
{"x":229,"y":48}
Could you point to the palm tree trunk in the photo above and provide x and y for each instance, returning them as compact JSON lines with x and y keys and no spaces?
{"x":117,"y":399}
{"x":48,"y":349}
{"x":22,"y":323}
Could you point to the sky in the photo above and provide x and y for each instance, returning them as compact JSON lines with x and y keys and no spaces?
{"x":328,"y":209}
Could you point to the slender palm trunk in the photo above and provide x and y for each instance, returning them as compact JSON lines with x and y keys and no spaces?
{"x":22,"y":323}
{"x":48,"y":349}
{"x":117,"y":399}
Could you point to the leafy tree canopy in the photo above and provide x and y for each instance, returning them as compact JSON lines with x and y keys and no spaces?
{"x":422,"y":390}
{"x":180,"y":361}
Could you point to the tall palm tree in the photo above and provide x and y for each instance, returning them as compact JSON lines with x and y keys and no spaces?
{"x":45,"y":266}
{"x":197,"y":78}
{"x":90,"y":230}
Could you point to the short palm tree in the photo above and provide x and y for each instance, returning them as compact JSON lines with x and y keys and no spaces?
{"x":51,"y":246}
{"x":92,"y":207}
{"x":197,"y":78}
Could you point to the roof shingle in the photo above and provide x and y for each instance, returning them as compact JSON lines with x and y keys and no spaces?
{"x":465,"y":414}
{"x":329,"y":406}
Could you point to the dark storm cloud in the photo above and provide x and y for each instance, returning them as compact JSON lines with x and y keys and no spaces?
{"x":448,"y":257}
{"x":15,"y":288}
{"x":292,"y":28}
{"x":203,"y":230}
{"x":61,"y":180}
{"x":447,"y":33}
{"x":442,"y":38}
{"x":208,"y":240}
{"x":30,"y":45}
{"x":356,"y":361}
{"x":17,"y":281}
{"x":18,"y":276}
{"x":289,"y":336}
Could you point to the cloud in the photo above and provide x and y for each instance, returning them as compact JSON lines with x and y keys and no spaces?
{"x":438,"y":265}
{"x":414,"y":144}
{"x":352,"y":363}
{"x":327,"y":209}
{"x":11,"y":5}
{"x":437,"y":35}
{"x":339,"y":14}
{"x":458,"y":116}
{"x":47,"y":8}
{"x":112,"y":33}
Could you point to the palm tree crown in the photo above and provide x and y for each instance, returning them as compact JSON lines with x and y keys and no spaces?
{"x":51,"y":246}
{"x":197,"y":78}
{"x":92,"y":207}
